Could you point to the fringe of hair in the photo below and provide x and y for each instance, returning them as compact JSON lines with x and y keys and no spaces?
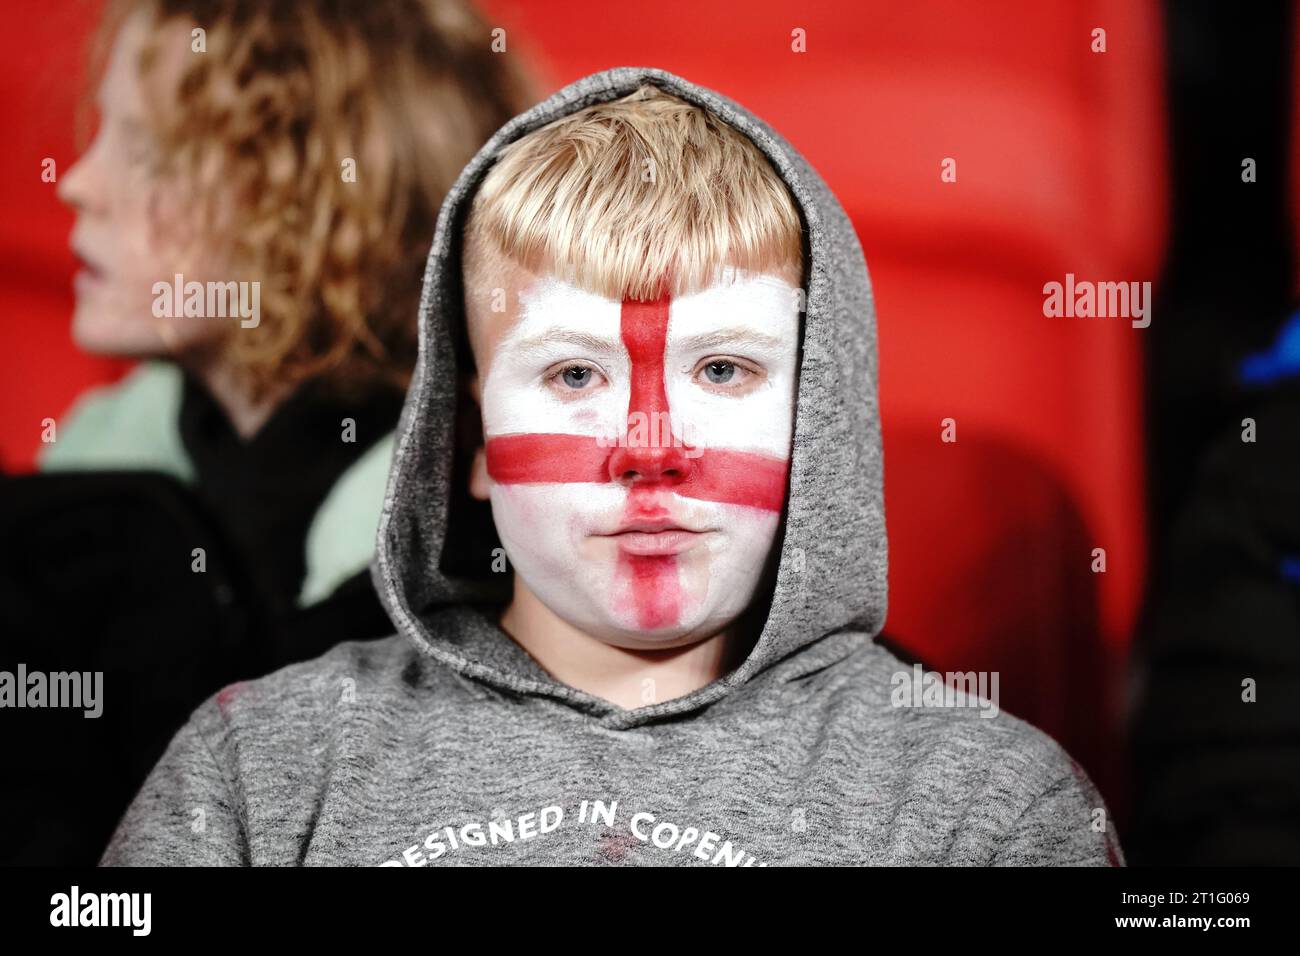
{"x":632,"y":198}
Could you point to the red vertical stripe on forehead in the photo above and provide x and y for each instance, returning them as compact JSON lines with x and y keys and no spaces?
{"x":730,"y":477}
{"x":644,"y":328}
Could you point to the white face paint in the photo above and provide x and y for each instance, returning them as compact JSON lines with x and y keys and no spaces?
{"x":661,"y":541}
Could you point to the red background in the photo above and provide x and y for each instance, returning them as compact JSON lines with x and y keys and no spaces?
{"x":1060,"y":168}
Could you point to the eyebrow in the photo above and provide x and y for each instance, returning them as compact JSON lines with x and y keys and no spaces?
{"x":585,"y":341}
{"x":133,"y":127}
{"x":732,"y":337}
{"x":735,"y":337}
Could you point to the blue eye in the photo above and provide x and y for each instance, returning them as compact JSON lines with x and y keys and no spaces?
{"x":576,"y":376}
{"x":719,"y":373}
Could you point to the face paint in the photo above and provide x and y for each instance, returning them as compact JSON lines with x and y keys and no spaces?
{"x":637,"y":452}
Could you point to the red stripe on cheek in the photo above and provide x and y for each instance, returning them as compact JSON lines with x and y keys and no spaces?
{"x":737,"y":478}
{"x":541,"y":459}
{"x":727,"y":477}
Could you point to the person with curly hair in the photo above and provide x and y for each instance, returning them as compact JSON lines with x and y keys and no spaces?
{"x":253,"y":215}
{"x":303,"y":146}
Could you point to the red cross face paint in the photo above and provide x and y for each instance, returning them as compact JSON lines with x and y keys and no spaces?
{"x":637,"y":452}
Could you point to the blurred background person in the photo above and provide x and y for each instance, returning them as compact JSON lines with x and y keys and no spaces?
{"x":1215,"y":671}
{"x":214,"y":512}
{"x":306,"y":147}
{"x":1216,"y":734}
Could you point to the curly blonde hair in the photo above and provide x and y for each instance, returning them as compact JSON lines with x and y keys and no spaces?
{"x":260,"y":128}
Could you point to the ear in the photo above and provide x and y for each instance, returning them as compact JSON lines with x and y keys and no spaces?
{"x":478,"y":476}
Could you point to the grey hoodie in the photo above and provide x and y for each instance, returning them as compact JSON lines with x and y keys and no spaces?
{"x":448,"y":744}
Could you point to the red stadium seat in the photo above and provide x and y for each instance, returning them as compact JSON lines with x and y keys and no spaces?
{"x":1060,"y":159}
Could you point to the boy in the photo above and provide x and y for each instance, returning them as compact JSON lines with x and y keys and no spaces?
{"x":683,"y":465}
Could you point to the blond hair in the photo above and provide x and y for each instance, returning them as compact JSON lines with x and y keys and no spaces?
{"x":630,"y":199}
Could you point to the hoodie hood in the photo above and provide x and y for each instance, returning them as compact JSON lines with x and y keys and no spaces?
{"x":434,"y":548}
{"x":449,"y":734}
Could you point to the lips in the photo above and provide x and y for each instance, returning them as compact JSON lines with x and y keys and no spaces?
{"x":654,"y":538}
{"x":89,"y":274}
{"x":652,"y":543}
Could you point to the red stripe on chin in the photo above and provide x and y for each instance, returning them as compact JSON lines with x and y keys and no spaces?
{"x":656,"y":591}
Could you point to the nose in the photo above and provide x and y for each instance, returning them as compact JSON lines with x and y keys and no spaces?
{"x":81,"y":185}
{"x":68,"y":188}
{"x":645,"y":466}
{"x":71,"y":187}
